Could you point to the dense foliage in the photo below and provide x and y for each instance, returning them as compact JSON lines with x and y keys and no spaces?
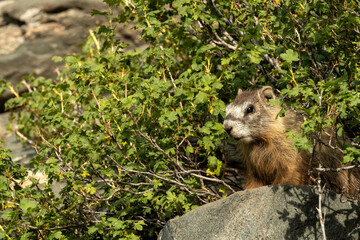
{"x":129,"y":137}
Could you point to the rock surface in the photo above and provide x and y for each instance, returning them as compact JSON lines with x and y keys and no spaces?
{"x":33,"y":31}
{"x":20,"y":152}
{"x":271,"y":212}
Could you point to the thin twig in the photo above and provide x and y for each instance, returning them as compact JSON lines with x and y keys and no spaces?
{"x":318,"y":180}
{"x":324,"y":169}
{"x":20,"y":135}
{"x":319,"y":209}
{"x":222,"y":42}
{"x":213,"y":180}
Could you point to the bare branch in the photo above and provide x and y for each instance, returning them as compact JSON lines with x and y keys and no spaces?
{"x":213,"y":180}
{"x":20,"y":135}
{"x":323,"y":169}
{"x":318,"y":181}
{"x":319,"y":209}
{"x":223,"y":43}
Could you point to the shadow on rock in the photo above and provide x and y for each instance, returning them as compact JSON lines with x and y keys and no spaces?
{"x":300,"y":213}
{"x":271,"y":212}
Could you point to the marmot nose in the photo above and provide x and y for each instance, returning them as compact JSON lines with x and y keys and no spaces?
{"x":228,"y":130}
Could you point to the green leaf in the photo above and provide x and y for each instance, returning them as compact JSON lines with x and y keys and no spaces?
{"x":212,"y":162}
{"x":97,"y":12}
{"x":71,"y":59}
{"x":255,"y":56}
{"x":57,"y":59}
{"x":25,"y":236}
{"x":27,"y":204}
{"x":201,"y":98}
{"x":116,"y":223}
{"x":57,"y":235}
{"x":139,"y":225}
{"x":348,"y":158}
{"x":92,"y":230}
{"x":171,"y":116}
{"x":225,"y":61}
{"x":290,"y":56}
{"x":7,"y":214}
{"x":340,"y":131}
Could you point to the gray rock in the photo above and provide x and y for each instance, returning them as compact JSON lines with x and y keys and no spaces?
{"x":20,"y":152}
{"x":25,"y":10}
{"x":271,"y":212}
{"x":33,"y":31}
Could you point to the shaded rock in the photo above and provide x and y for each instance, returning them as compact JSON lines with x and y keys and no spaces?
{"x":271,"y":212}
{"x":21,"y":152}
{"x":33,"y":31}
{"x":27,"y":11}
{"x":36,"y":30}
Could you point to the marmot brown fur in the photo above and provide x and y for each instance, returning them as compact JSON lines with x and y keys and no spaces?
{"x":269,"y":155}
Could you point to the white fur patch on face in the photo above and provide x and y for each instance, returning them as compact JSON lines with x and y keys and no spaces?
{"x":238,"y":131}
{"x":237,"y":111}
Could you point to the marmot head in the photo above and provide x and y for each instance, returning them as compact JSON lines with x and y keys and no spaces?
{"x":248,"y":118}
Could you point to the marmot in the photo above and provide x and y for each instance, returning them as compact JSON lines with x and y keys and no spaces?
{"x":269,"y":155}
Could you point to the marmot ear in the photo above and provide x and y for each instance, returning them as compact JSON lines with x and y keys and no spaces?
{"x":267,"y":93}
{"x":239,"y":91}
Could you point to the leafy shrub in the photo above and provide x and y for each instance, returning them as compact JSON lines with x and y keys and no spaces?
{"x":130,"y":137}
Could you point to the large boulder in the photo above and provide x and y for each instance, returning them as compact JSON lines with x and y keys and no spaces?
{"x":271,"y":212}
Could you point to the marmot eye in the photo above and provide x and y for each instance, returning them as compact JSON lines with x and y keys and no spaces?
{"x":250,"y":109}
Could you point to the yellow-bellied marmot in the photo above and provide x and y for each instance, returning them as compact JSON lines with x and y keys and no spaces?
{"x":270,"y":157}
